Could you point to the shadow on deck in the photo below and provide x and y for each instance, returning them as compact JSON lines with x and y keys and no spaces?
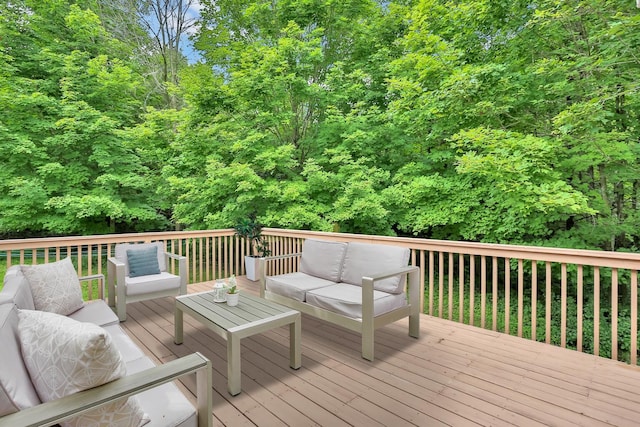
{"x":454,"y":375}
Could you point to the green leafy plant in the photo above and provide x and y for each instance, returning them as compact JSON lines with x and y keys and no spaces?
{"x":232,"y":290}
{"x":251,"y":230}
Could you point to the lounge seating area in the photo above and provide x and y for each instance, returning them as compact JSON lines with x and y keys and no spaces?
{"x":358,"y":286}
{"x":62,"y":358}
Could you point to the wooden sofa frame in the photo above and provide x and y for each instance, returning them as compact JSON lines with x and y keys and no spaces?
{"x":369,"y":323}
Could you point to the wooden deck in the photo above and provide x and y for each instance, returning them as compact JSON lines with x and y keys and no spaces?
{"x":453,"y":375}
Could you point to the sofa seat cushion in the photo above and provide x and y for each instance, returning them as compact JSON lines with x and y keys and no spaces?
{"x":125,"y":345}
{"x":16,"y":390}
{"x":346,"y":299}
{"x":322,"y":258}
{"x":165,"y":404}
{"x":295,"y":285}
{"x":152,"y":283}
{"x":16,"y":289}
{"x":364,"y":259}
{"x":97,"y":312}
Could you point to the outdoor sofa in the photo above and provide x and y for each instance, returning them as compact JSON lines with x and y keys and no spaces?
{"x":150,"y":387}
{"x":359,"y":286}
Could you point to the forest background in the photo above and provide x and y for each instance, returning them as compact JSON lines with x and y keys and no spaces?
{"x":480,"y":120}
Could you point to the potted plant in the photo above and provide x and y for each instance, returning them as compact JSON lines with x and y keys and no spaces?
{"x":232,"y":292}
{"x":250,"y":230}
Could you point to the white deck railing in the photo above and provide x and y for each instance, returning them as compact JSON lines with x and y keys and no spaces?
{"x":465,"y":282}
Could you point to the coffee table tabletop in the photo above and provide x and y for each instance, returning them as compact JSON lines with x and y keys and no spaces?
{"x":252,"y":315}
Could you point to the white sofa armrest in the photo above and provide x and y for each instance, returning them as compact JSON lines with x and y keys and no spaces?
{"x":262,"y":269}
{"x":55,"y":411}
{"x":100,"y":278}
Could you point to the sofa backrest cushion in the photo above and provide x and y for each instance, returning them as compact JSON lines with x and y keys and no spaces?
{"x":364,"y":259}
{"x":16,"y":289}
{"x":322,"y":258}
{"x":122,"y":248}
{"x":55,"y":286}
{"x":16,"y":390}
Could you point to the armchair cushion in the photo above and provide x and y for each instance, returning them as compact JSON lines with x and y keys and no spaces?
{"x":143,"y":261}
{"x":363,"y":259}
{"x":64,"y":356}
{"x":323,"y":259}
{"x":347,"y":300}
{"x":121,"y":253}
{"x":54,"y":286}
{"x":16,"y":289}
{"x":152,"y":283}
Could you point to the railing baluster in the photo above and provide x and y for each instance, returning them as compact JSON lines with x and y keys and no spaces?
{"x":534,"y":300}
{"x":483,"y":291}
{"x":596,"y":311}
{"x":461,"y":288}
{"x":441,"y":284}
{"x":472,"y":289}
{"x":494,"y":277}
{"x":547,"y":310}
{"x":634,"y":318}
{"x":431,"y":282}
{"x":507,"y":295}
{"x":520,"y":295}
{"x":450,"y":286}
{"x":563,"y":302}
{"x":614,"y":314}
{"x":580,"y":309}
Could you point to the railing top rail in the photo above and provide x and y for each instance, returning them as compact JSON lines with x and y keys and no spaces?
{"x":534,"y":253}
{"x":46,"y":242}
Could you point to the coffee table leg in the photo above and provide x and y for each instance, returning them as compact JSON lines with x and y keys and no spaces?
{"x":178,"y":333}
{"x":233,"y":364}
{"x":295,"y":357}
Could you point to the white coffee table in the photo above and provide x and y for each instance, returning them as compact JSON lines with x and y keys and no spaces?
{"x":252,"y":315}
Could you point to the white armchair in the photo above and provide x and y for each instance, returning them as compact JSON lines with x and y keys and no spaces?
{"x":133,"y":275}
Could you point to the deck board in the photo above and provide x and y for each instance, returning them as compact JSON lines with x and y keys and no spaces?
{"x":454,"y":375}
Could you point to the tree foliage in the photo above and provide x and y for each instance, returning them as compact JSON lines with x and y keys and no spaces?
{"x":481,"y":120}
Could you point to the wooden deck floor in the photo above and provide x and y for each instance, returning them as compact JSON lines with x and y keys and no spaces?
{"x":453,"y":375}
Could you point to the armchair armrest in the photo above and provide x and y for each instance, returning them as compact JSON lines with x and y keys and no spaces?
{"x":55,"y":411}
{"x":115,"y":273}
{"x":182,"y":270}
{"x":99,"y":277}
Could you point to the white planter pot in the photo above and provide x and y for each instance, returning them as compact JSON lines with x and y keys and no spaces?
{"x":251,"y":267}
{"x":232,"y":299}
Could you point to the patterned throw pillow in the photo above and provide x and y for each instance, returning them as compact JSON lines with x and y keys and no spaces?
{"x":55,"y":286}
{"x":64,"y":356}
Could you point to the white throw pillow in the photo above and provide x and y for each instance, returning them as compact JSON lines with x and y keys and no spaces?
{"x":55,"y":286}
{"x":64,"y":356}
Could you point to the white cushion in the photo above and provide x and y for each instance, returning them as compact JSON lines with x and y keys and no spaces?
{"x":16,"y":390}
{"x":346,"y":299}
{"x":128,"y":349}
{"x":295,"y":285}
{"x":16,"y":289}
{"x":322,"y":258}
{"x":64,"y":356}
{"x":54,"y":286}
{"x":121,"y":253}
{"x":152,"y":283}
{"x":165,"y":404}
{"x":97,"y":312}
{"x":364,"y":259}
